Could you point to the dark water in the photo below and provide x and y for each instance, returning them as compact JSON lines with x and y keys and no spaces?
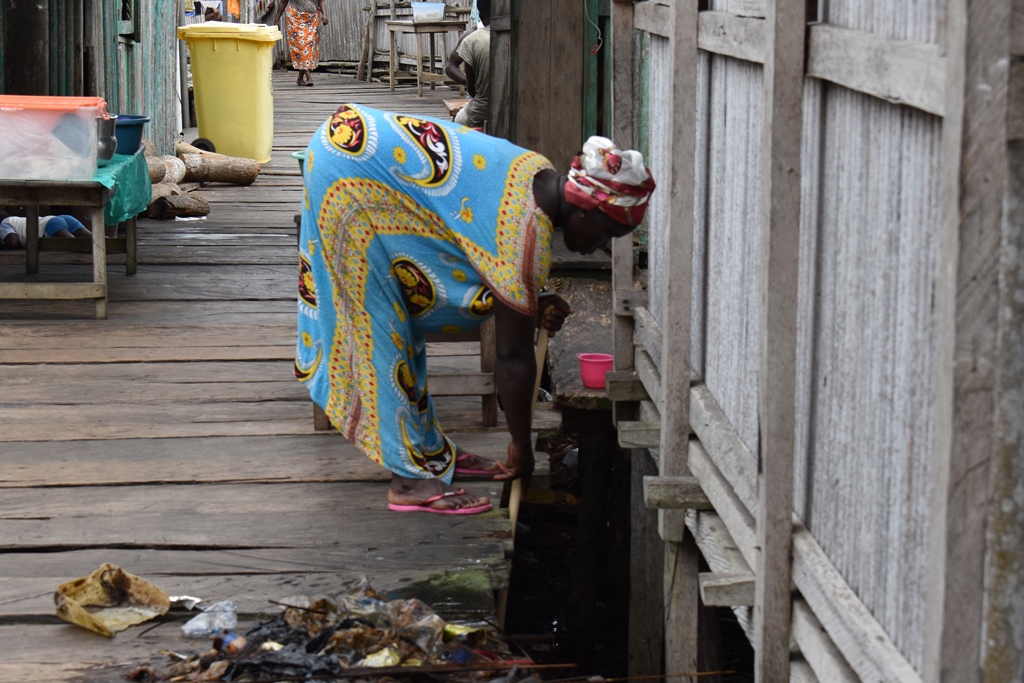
{"x":558,"y":620}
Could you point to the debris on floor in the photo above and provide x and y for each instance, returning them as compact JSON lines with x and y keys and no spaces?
{"x":109,"y":600}
{"x":356,"y":633}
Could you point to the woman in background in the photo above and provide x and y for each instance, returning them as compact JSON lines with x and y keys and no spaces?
{"x":303,"y":21}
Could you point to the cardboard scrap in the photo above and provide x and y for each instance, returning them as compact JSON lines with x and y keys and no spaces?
{"x":109,"y":600}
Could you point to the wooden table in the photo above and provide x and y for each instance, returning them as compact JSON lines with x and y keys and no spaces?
{"x":85,"y":193}
{"x":431,"y":30}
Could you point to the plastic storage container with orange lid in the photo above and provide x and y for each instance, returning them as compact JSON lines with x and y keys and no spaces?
{"x":49,"y":138}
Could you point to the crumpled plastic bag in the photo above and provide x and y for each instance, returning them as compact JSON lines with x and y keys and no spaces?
{"x":122,"y":600}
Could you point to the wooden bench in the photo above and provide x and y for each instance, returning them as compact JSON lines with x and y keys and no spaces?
{"x":93,"y":195}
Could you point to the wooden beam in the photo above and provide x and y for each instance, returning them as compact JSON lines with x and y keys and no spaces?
{"x":653,"y":17}
{"x":898,"y":71}
{"x":462,"y":384}
{"x":862,"y":641}
{"x":633,"y":434}
{"x":724,"y":33}
{"x":724,"y":445}
{"x":625,"y":301}
{"x":650,"y":378}
{"x":748,"y":8}
{"x":1017,"y":29}
{"x":726,"y":590}
{"x":52,"y":290}
{"x":968,"y":306}
{"x":817,"y":648}
{"x":1015,"y":107}
{"x":682,"y":595}
{"x":646,"y":562}
{"x":624,"y":385}
{"x":780,"y":245}
{"x":674,"y":493}
{"x":624,"y":297}
{"x":648,"y":332}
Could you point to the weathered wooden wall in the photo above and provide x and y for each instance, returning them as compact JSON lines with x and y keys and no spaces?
{"x":886,"y":303}
{"x":85,"y":52}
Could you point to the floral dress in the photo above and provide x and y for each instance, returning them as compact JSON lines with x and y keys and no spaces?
{"x":410,"y":225}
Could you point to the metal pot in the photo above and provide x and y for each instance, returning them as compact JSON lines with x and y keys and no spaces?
{"x":106,"y":141}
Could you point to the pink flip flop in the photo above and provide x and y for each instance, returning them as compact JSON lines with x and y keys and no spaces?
{"x":467,"y":472}
{"x":425,"y":506}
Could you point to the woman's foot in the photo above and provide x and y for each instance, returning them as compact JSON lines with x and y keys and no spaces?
{"x":433,"y":495}
{"x":305,"y":79}
{"x":472,"y":465}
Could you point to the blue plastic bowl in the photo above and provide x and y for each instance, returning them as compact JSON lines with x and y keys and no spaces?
{"x":128,"y":130}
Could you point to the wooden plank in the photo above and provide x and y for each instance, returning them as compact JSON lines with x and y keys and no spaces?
{"x":653,"y":17}
{"x":726,"y":589}
{"x":646,"y":562}
{"x":897,"y":71}
{"x":674,"y":493}
{"x":681,"y":554}
{"x":738,"y":521}
{"x":648,"y":332}
{"x":725,"y":33}
{"x":817,"y":648}
{"x":972,"y":190}
{"x":1017,"y":29}
{"x":624,"y":302}
{"x":463,"y":384}
{"x":780,"y":218}
{"x":283,"y":458}
{"x":633,"y":434}
{"x":724,"y":446}
{"x":52,"y":290}
{"x":1015,"y":106}
{"x":862,"y":641}
{"x":650,"y":379}
{"x":624,"y":385}
{"x":748,"y":8}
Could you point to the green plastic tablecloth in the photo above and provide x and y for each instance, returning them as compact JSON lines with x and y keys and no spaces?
{"x":127,"y":176}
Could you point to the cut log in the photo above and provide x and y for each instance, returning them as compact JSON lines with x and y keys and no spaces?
{"x":210,"y":167}
{"x":164,"y":190}
{"x":179,"y":205}
{"x":149,"y":149}
{"x":157,"y":169}
{"x":175,"y":169}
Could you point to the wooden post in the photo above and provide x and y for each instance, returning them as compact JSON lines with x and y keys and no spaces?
{"x":780,"y":216}
{"x":499,"y":117}
{"x":973,"y":178}
{"x":27,"y":27}
{"x":682,"y":598}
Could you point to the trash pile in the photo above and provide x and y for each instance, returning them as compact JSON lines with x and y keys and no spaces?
{"x":355,"y":634}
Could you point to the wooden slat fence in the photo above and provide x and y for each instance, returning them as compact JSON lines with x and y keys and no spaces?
{"x":830,"y":241}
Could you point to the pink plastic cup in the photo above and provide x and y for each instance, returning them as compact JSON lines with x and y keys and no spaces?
{"x":593,"y":366}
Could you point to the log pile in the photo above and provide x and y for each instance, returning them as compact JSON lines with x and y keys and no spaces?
{"x":171,"y":176}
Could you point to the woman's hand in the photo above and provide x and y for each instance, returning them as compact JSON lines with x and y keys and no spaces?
{"x":323,"y":16}
{"x":552,"y":310}
{"x":519,"y":464}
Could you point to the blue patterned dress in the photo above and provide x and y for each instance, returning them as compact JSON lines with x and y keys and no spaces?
{"x":410,"y":225}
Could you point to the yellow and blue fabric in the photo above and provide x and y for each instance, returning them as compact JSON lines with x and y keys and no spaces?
{"x":411,"y":225}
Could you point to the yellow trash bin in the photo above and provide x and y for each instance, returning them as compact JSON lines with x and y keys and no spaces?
{"x":231,"y":80}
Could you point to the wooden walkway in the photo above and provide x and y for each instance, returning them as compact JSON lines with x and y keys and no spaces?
{"x":173,"y":440}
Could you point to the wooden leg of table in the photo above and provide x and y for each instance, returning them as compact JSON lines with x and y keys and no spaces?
{"x":32,"y":239}
{"x":432,"y":37}
{"x":391,"y":62}
{"x":488,"y":359}
{"x":99,"y":260}
{"x":131,"y":247}
{"x":320,"y":420}
{"x":419,"y":64}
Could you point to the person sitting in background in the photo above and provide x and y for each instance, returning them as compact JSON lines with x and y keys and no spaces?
{"x":468,"y":65}
{"x":13,"y":229}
